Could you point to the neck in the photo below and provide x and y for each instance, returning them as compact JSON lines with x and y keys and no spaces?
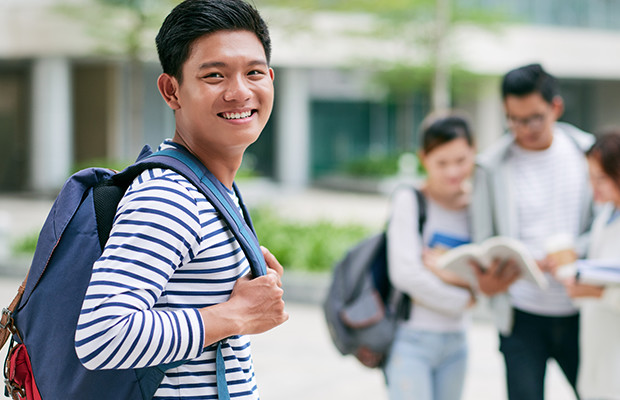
{"x":453,"y":201}
{"x":223,"y":166}
{"x":224,"y":173}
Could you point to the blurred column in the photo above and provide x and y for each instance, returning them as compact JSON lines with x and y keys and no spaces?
{"x":51,"y":146}
{"x":293,"y":127}
{"x":489,"y":113}
{"x":5,"y":230}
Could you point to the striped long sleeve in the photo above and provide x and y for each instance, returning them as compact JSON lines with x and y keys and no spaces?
{"x":168,"y":255}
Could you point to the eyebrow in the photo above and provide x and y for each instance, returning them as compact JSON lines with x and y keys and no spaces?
{"x":220,"y":64}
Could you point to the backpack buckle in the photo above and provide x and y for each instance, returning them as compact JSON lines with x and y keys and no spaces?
{"x":6,"y":319}
{"x":14,"y":391}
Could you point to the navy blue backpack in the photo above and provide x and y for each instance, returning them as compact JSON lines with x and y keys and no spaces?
{"x":43,"y":317}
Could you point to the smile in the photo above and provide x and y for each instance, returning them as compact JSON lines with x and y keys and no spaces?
{"x":237,"y":115}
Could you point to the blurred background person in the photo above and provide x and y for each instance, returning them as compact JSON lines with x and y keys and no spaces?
{"x":532,"y":185}
{"x":600,"y":305}
{"x":429,"y":355}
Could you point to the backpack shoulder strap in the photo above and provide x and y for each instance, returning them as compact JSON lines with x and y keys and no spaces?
{"x":184,"y":163}
{"x":421,"y":206}
{"x":108,"y":193}
{"x":421,"y":209}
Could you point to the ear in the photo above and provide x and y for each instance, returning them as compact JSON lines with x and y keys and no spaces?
{"x":557,"y":104}
{"x":272,"y":74}
{"x":169,"y":88}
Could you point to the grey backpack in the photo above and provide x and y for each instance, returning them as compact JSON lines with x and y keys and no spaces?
{"x":362,"y":307}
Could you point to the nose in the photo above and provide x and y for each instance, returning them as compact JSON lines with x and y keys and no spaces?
{"x":454,"y":172}
{"x":523,"y":129}
{"x":237,"y":90}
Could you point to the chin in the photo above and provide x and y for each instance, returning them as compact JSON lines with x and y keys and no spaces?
{"x":534,"y":144}
{"x":454,"y":188}
{"x":599,"y":199}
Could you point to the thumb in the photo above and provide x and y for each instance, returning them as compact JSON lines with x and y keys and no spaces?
{"x":477,"y":268}
{"x":272,"y":261}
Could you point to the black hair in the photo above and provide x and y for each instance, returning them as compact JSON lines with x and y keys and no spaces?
{"x":606,"y":150}
{"x":530,"y":79}
{"x":439,"y":130}
{"x":193,"y":19}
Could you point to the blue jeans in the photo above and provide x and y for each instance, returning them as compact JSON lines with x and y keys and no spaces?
{"x":426,"y":365}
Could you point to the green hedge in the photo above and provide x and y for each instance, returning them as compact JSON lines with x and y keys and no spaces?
{"x":386,"y":165}
{"x":377,"y":166}
{"x":310,"y":246}
{"x":25,"y":245}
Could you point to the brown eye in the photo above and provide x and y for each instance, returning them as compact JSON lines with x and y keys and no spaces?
{"x":256,"y":73}
{"x":213,"y":75}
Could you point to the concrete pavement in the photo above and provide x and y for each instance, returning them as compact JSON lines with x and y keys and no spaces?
{"x":298,"y":361}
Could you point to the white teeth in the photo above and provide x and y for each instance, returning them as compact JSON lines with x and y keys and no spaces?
{"x":241,"y":115}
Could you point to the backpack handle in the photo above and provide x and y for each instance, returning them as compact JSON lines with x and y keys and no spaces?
{"x":7,"y":326}
{"x":181,"y":161}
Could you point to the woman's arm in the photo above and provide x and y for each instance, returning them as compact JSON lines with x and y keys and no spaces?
{"x":405,"y":266}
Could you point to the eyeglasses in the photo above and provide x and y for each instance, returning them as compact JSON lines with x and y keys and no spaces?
{"x":534,"y":122}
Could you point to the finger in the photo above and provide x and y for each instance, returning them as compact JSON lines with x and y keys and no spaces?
{"x":514,"y":275}
{"x":512,"y":272}
{"x":552,"y":265}
{"x":544,"y":264}
{"x":500,"y":265}
{"x":272,"y":261}
{"x":477,"y":268}
{"x":504,"y":267}
{"x":276,"y":275}
{"x":569,"y":281}
{"x":285,"y":317}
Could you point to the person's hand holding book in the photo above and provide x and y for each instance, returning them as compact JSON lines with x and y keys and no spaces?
{"x":497,"y":278}
{"x":576,"y":289}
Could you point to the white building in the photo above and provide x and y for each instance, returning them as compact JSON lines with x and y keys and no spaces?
{"x":64,"y":101}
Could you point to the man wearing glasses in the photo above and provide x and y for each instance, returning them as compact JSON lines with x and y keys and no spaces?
{"x":532,"y":185}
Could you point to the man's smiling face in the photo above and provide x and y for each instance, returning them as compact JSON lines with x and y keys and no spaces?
{"x":226,"y":94}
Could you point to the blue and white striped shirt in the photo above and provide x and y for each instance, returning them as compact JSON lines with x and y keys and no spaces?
{"x":169,"y":254}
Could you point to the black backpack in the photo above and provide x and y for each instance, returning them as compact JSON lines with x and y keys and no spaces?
{"x":362,"y":307}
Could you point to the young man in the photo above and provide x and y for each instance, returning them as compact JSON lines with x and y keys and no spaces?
{"x":531,"y":186}
{"x":172,"y":280}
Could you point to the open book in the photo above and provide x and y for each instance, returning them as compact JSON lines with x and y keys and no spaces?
{"x":458,"y":259}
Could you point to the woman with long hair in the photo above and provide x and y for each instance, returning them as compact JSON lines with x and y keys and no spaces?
{"x":600,"y":304}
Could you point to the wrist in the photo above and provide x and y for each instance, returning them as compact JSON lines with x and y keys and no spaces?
{"x":219,"y":321}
